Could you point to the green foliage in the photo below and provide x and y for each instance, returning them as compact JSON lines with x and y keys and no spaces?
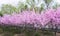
{"x":1,"y":13}
{"x":42,"y":7}
{"x":7,"y":8}
{"x":8,"y":34}
{"x":48,"y":33}
{"x":21,"y":6}
{"x":37,"y":34}
{"x":29,"y":32}
{"x":47,"y":1}
{"x":56,"y":6}
{"x":12,"y":30}
{"x":1,"y":30}
{"x":30,"y":2}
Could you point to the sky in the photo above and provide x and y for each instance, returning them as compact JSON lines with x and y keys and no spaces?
{"x":58,"y":1}
{"x":15,"y":2}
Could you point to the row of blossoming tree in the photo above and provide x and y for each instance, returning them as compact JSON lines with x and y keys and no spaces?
{"x":50,"y":16}
{"x":32,"y":19}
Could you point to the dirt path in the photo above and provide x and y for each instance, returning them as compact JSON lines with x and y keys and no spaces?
{"x":57,"y":34}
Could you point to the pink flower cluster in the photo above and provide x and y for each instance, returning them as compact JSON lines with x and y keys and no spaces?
{"x":30,"y":17}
